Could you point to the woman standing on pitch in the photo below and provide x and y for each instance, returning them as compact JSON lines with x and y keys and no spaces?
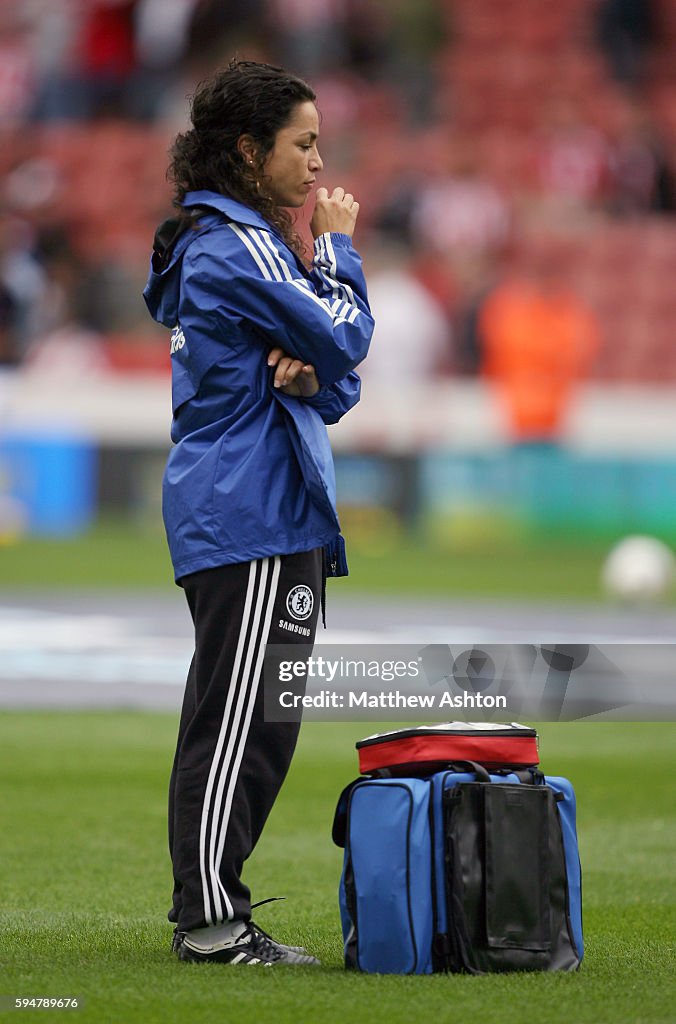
{"x":263,"y":353}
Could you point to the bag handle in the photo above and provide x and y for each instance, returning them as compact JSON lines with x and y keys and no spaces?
{"x":478,"y":769}
{"x":473,"y":766}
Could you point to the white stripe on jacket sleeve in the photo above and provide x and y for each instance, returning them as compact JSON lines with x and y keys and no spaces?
{"x":273,"y":267}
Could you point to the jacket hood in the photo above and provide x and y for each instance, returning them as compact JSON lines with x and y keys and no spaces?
{"x":173,"y":237}
{"x":162,"y":289}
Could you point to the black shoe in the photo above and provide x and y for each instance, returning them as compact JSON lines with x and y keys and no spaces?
{"x":176,"y":938}
{"x":287,"y":949}
{"x":252,"y":947}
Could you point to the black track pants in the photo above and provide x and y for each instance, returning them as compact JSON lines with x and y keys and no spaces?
{"x":230,"y":763}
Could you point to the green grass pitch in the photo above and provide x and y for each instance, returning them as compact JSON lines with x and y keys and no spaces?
{"x":119,"y":554}
{"x":85,"y":882}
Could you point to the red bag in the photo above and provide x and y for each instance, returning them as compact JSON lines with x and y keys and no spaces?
{"x":430,"y":747}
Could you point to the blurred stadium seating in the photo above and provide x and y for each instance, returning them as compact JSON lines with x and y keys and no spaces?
{"x":499,"y":69}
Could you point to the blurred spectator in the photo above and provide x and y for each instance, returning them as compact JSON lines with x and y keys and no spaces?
{"x":93,"y":289}
{"x":63,"y":278}
{"x":640,"y":179}
{"x":478,"y":278}
{"x":457,"y":211}
{"x":85,"y":56}
{"x":161,"y":34}
{"x":412,"y":340}
{"x":415,"y":32}
{"x":394,"y":217}
{"x":571,"y":159}
{"x":367,"y":27}
{"x":107,"y":56}
{"x":220,"y":28}
{"x":309,"y":35}
{"x":462,"y":213}
{"x":9,"y":353}
{"x":16,"y":69}
{"x":626,"y":31}
{"x":53,"y":29}
{"x":538,"y":340}
{"x":439,"y":277}
{"x":23,"y":286}
{"x":66,"y":344}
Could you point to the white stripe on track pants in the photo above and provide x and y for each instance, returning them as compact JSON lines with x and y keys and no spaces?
{"x":230,"y":763}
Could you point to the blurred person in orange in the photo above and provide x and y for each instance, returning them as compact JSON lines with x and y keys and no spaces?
{"x":538,"y":340}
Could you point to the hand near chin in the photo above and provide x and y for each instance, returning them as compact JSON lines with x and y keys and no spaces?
{"x":292,"y":376}
{"x":335,"y":212}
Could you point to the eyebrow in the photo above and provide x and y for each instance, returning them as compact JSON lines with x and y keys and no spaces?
{"x":312,"y":135}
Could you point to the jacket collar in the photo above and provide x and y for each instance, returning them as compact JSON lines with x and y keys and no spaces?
{"x":233,"y":210}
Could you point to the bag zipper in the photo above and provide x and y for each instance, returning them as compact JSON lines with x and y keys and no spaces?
{"x":448,"y":799}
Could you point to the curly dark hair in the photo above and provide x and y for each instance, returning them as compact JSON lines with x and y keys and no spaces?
{"x":246,"y":98}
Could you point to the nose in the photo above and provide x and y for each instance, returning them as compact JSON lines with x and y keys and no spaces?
{"x":316,"y":164}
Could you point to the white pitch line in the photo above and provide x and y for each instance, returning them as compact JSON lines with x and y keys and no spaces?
{"x":39,"y":645}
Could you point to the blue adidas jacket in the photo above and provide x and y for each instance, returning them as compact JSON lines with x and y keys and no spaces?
{"x":251,"y":473}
